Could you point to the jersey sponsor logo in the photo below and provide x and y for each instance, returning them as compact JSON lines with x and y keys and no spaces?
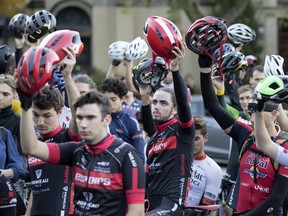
{"x":38,"y":173}
{"x":260,"y":163}
{"x":210,"y":195}
{"x":87,"y":204}
{"x":38,"y":181}
{"x":263,"y":189}
{"x":103,"y":163}
{"x":64,"y":196}
{"x":132,"y":159}
{"x":9,"y":186}
{"x":118,"y":149}
{"x":92,"y":180}
{"x":32,"y":161}
{"x":161,"y":145}
{"x":102,"y":169}
{"x":98,"y":180}
{"x":251,"y":173}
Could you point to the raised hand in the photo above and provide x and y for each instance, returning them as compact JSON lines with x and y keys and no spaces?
{"x":179,"y":52}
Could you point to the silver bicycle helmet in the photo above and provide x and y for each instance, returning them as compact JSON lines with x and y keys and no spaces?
{"x":136,"y":49}
{"x":240,"y":33}
{"x":116,"y":50}
{"x":274,"y":65}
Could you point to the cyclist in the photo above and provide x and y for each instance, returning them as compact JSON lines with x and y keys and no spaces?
{"x":206,"y":173}
{"x":56,"y":185}
{"x":169,"y":150}
{"x":257,"y":179}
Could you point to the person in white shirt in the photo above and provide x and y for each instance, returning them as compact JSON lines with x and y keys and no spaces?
{"x":206,"y":173}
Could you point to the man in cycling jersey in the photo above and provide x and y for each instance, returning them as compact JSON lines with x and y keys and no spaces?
{"x":206,"y":173}
{"x":57,"y":185}
{"x":169,"y":151}
{"x":258,"y":188}
{"x":108,"y":174}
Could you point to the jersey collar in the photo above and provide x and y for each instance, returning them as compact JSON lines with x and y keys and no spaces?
{"x":53,"y":133}
{"x":102,"y":145}
{"x":161,"y":127}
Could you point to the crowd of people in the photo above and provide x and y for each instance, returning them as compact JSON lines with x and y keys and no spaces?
{"x":132,"y":146}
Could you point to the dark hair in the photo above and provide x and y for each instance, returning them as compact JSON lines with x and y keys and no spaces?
{"x":84,"y":78}
{"x":94,"y":97}
{"x":114,"y":85}
{"x":200,"y":124}
{"x":48,"y":98}
{"x":171,"y":92}
{"x":245,"y":88}
{"x":259,"y":68}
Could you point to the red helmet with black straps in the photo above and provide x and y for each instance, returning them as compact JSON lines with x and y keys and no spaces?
{"x":161,"y":35}
{"x":35,"y":69}
{"x":205,"y":35}
{"x":63,"y":38}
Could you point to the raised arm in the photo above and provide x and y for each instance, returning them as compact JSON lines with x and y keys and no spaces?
{"x":263,"y":140}
{"x":210,"y":100}
{"x":72,"y":92}
{"x":148,"y":123}
{"x":29,"y":142}
{"x":282,"y":118}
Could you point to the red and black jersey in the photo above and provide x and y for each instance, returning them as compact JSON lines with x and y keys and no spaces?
{"x":107,"y":176}
{"x":170,"y":150}
{"x":256,"y":173}
{"x":51,"y":184}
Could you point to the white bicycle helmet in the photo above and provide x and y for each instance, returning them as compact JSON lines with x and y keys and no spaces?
{"x":274,"y":65}
{"x":241,"y":33}
{"x":116,"y":50}
{"x":137,"y":48}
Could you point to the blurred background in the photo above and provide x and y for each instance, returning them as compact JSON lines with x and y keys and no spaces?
{"x":101,"y":22}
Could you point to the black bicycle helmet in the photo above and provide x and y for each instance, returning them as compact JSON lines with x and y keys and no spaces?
{"x":227,"y":47}
{"x":233,"y":61}
{"x":7,"y":60}
{"x":17,"y":25}
{"x":39,"y":24}
{"x":142,"y":73}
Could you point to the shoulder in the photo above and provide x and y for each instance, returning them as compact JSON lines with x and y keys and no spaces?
{"x":214,"y":166}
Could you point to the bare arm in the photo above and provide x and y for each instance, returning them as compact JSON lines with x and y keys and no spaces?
{"x":128,"y":76}
{"x":29,"y":206}
{"x":29,"y":142}
{"x":135,"y":210}
{"x":71,"y":89}
{"x":263,"y":140}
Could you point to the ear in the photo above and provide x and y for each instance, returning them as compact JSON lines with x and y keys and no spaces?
{"x":107,"y":120}
{"x":174,"y":111}
{"x":206,"y":138}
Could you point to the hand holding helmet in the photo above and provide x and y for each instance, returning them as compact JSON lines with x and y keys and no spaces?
{"x":116,"y":51}
{"x":179,"y":52}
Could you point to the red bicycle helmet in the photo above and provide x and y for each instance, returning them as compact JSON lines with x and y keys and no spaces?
{"x":34,"y":69}
{"x":205,"y":35}
{"x":17,"y":25}
{"x":161,"y":35}
{"x":63,"y":38}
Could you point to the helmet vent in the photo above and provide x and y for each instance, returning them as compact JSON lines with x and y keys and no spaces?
{"x":159,"y":34}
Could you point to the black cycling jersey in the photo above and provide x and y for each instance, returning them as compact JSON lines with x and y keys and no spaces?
{"x":107,"y":176}
{"x":51,"y":184}
{"x":169,"y":152}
